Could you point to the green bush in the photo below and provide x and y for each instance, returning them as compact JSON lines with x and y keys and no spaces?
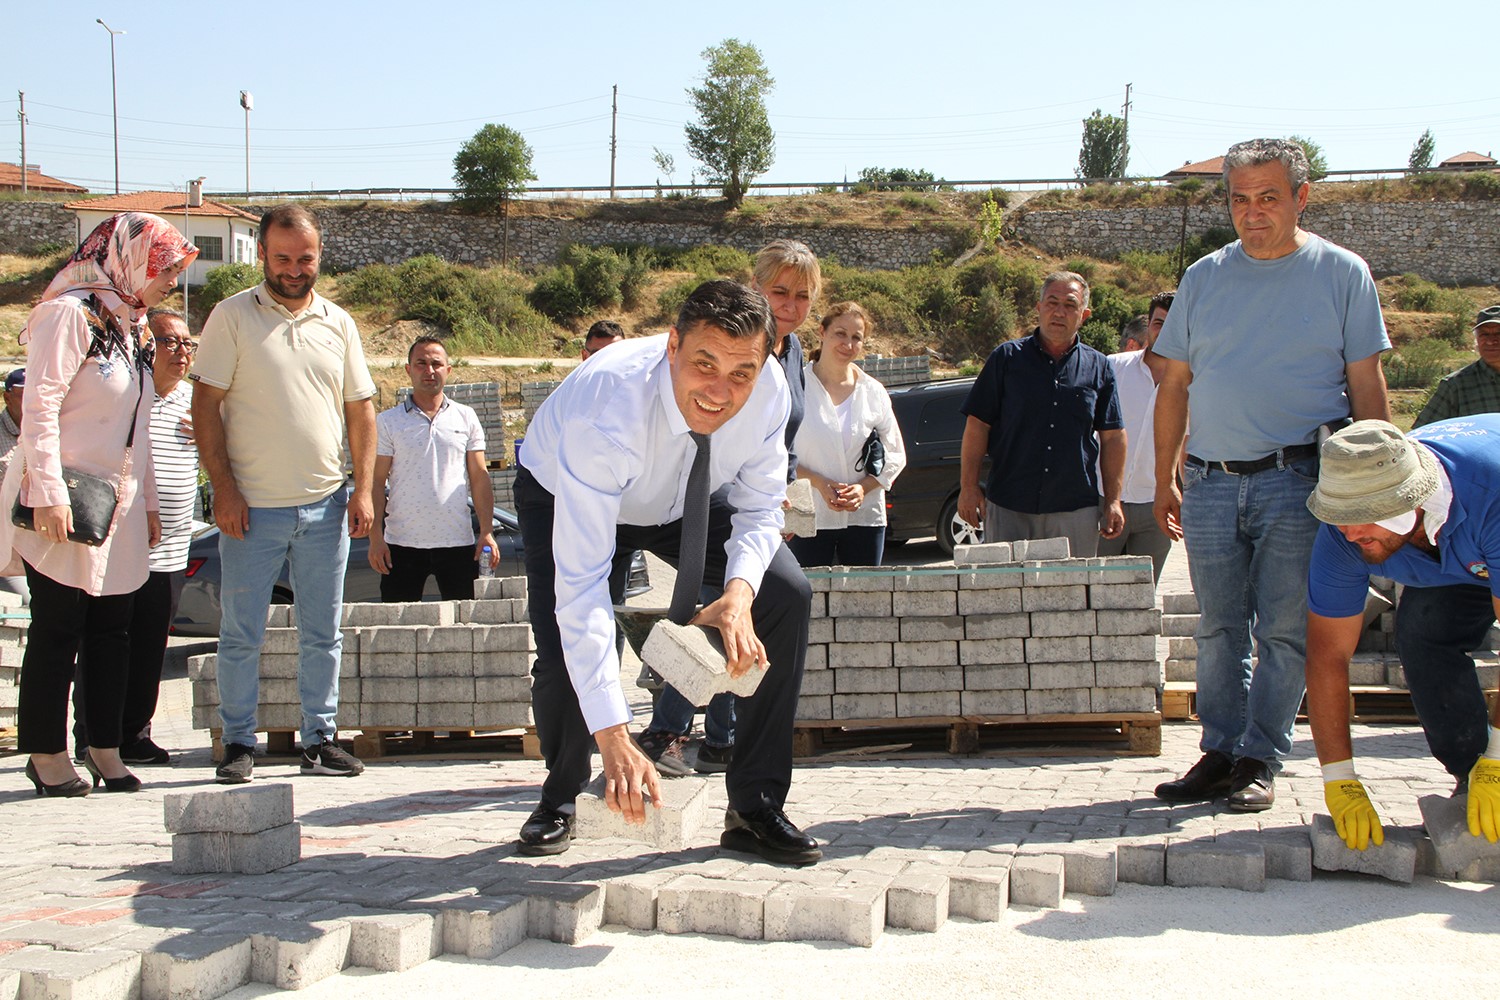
{"x":1416,"y":294}
{"x":670,"y":301}
{"x":1100,"y":336}
{"x":591,"y":278}
{"x":557,"y":294}
{"x":224,"y":281}
{"x":711,"y":260}
{"x":1482,"y":186}
{"x":1150,"y":268}
{"x":1419,"y":364}
{"x":1114,"y":309}
{"x":1083,"y":266}
{"x":1438,"y":185}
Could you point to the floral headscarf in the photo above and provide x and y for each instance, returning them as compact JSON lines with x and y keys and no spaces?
{"x":119,"y":259}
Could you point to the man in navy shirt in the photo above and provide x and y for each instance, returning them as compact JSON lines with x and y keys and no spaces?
{"x":1423,"y":510}
{"x":1035,"y":409}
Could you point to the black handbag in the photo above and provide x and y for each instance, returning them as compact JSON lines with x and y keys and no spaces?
{"x":872,"y":456}
{"x":92,"y":498}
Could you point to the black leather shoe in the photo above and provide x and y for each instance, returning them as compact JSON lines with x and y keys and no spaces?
{"x":768,"y":832}
{"x":1205,"y":780}
{"x":546,"y":831}
{"x":1252,"y":786}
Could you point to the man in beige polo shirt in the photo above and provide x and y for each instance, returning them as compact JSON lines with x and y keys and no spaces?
{"x":280,"y":376}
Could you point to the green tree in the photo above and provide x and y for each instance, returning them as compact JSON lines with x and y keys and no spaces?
{"x":1421,"y":153}
{"x":898,"y":179}
{"x":491,"y":168}
{"x":1105,"y":151}
{"x":732,"y":137}
{"x":664,"y":162}
{"x":1316,"y":160}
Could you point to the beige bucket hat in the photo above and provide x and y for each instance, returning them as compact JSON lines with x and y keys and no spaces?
{"x":1369,"y":472}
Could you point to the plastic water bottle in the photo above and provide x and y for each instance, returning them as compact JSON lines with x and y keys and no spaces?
{"x":485,"y":558}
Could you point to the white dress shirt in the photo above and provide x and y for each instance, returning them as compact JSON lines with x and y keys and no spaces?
{"x":826,"y":447}
{"x":612,"y":447}
{"x":1137,"y":391}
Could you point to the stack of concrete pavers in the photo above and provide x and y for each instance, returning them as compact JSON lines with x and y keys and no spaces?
{"x":12,"y":646}
{"x":908,"y":370}
{"x":1014,"y":629}
{"x":248,"y":829}
{"x":425,"y":665}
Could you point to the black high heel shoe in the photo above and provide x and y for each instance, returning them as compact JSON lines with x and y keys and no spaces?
{"x":71,"y":788}
{"x":129,"y":783}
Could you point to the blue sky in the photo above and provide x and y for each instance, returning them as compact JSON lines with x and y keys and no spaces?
{"x":382,"y":94}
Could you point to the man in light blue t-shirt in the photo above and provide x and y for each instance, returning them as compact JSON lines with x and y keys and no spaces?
{"x":1270,"y":339}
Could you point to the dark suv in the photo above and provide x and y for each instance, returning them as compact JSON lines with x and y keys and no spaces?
{"x":924,"y":500}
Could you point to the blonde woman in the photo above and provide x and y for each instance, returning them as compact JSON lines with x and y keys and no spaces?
{"x":844,"y":407}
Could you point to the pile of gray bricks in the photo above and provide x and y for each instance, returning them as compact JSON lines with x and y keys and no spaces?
{"x":425,"y":665}
{"x":533,"y":393}
{"x":12,"y":646}
{"x":248,"y":829}
{"x":898,"y":371}
{"x":1037,"y":634}
{"x":484,"y":397}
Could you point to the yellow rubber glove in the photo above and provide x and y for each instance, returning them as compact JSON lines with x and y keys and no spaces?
{"x":1354,"y":817}
{"x":1484,"y":799}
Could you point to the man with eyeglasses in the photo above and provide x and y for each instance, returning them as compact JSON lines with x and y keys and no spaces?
{"x":174,"y":455}
{"x":1473,"y":388}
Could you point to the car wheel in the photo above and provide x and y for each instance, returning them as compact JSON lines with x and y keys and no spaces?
{"x":953,"y":530}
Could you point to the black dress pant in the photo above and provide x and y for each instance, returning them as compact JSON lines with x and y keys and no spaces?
{"x":150,"y":624}
{"x":761,"y":771}
{"x":454,"y":567}
{"x":64,"y":620}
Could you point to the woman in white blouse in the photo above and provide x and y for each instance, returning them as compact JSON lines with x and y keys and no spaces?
{"x":844,"y":405}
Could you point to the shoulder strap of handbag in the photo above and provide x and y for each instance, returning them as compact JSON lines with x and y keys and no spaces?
{"x":140,"y":370}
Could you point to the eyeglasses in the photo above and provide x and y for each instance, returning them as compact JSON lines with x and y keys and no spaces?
{"x":170,"y":344}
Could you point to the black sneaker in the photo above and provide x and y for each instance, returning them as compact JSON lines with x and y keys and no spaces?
{"x":713,"y":760}
{"x":665,"y":750}
{"x":144,"y":751}
{"x":239,"y":761}
{"x":328,"y":757}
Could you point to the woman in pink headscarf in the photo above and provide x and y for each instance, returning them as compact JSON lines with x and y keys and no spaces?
{"x":88,"y":360}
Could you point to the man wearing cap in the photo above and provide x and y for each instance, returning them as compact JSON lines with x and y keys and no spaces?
{"x":1423,"y":510}
{"x":1269,"y":340}
{"x":1473,"y":388}
{"x":10,"y":417}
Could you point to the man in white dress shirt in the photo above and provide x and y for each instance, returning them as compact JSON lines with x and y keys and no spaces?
{"x":606,"y":461}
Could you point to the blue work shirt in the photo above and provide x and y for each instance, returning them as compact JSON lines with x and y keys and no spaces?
{"x":1043,"y":415}
{"x":1468,"y":543}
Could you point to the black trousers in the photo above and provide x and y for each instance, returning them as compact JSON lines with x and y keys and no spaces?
{"x":1435,"y":629}
{"x":65,"y":620}
{"x":150,"y":623}
{"x":454,"y":567}
{"x":761,"y":771}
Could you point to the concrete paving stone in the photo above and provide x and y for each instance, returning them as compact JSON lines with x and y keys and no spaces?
{"x":1179,"y":625}
{"x":1121,"y":595}
{"x":1141,"y":672}
{"x":932,"y":678}
{"x":1048,"y":674}
{"x":988,"y":652}
{"x":1041,"y":548}
{"x":1228,"y":865}
{"x":190,"y":964}
{"x":985,"y":554}
{"x":1180,"y":603}
{"x":819,"y":630}
{"x":1447,"y":823}
{"x":924,"y":654}
{"x":1180,"y":670}
{"x":851,"y":679}
{"x":867,"y":629}
{"x":691,"y":904}
{"x":278,"y":666}
{"x":928,"y":703}
{"x":485,"y":613}
{"x":280,"y":640}
{"x":489,"y":689}
{"x":443,"y":688}
{"x":630,"y":900}
{"x":1090,"y":870}
{"x":979,"y":893}
{"x":998,"y":578}
{"x":861,"y":579}
{"x":1037,"y":880}
{"x":846,"y":657}
{"x":1063,"y":623}
{"x":999,"y":626}
{"x":482,"y":927}
{"x":271,"y":716}
{"x":276,"y":690}
{"x":251,"y":853}
{"x":1141,"y":861}
{"x":817,"y":682}
{"x":690,"y":658}
{"x":203,"y":667}
{"x":1119,"y":699}
{"x":394,"y":664}
{"x":816,"y":659}
{"x":388,"y":715}
{"x":45,"y":974}
{"x":1054,"y":573}
{"x":1115,"y":648}
{"x":1182,"y":648}
{"x":853,"y":914}
{"x":509,"y":664}
{"x":818,"y":607}
{"x":917,"y":901}
{"x":1059,"y":649}
{"x":292,"y":955}
{"x":1011,"y":702}
{"x":388,"y":639}
{"x":924,"y":603}
{"x":501,"y":638}
{"x":565,"y":912}
{"x":281,"y":616}
{"x":1132,"y":622}
{"x":859,"y":604}
{"x":72,"y":936}
{"x":864,"y":706}
{"x":446,"y":715}
{"x":674,"y":823}
{"x":1071,"y":598}
{"x":394,"y":942}
{"x":243,"y":809}
{"x":1289,"y":853}
{"x":814,"y":708}
{"x":936,"y":578}
{"x":1395,"y":860}
{"x":1057,"y":701}
{"x":990,"y":601}
{"x":997,"y":677}
{"x":1120,"y":569}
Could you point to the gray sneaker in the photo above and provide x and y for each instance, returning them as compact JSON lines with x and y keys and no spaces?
{"x":239,"y":761}
{"x":328,"y":757}
{"x":665,"y":750}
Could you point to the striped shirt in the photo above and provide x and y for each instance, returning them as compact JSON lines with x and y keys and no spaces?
{"x":174,"y":453}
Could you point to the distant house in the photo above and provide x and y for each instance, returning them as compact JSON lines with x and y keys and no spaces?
{"x":224,"y":234}
{"x":1204,"y":170}
{"x":10,"y":180}
{"x":1468,"y":161}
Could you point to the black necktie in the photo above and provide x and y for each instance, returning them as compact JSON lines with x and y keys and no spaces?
{"x":694,"y":545}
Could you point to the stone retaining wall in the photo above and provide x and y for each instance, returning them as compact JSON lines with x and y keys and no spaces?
{"x":26,"y":226}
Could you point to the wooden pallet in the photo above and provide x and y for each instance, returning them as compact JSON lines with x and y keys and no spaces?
{"x":1367,"y":703}
{"x":279,"y":743}
{"x":1131,"y":734}
{"x":448,"y":744}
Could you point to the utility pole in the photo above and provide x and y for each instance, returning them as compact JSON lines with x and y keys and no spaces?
{"x":1126,"y":110}
{"x":114,"y":93}
{"x":614,"y":118}
{"x":22,"y":115}
{"x":247,"y":101}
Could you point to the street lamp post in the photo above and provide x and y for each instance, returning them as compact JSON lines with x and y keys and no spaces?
{"x":247,"y":101}
{"x":114,"y":94}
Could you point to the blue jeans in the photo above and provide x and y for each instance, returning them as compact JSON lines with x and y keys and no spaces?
{"x":314,"y":539}
{"x":1249,"y":540}
{"x":674,"y":714}
{"x":856,"y":545}
{"x":1435,"y":629}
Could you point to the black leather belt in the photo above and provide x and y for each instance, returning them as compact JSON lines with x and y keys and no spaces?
{"x":1295,"y":453}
